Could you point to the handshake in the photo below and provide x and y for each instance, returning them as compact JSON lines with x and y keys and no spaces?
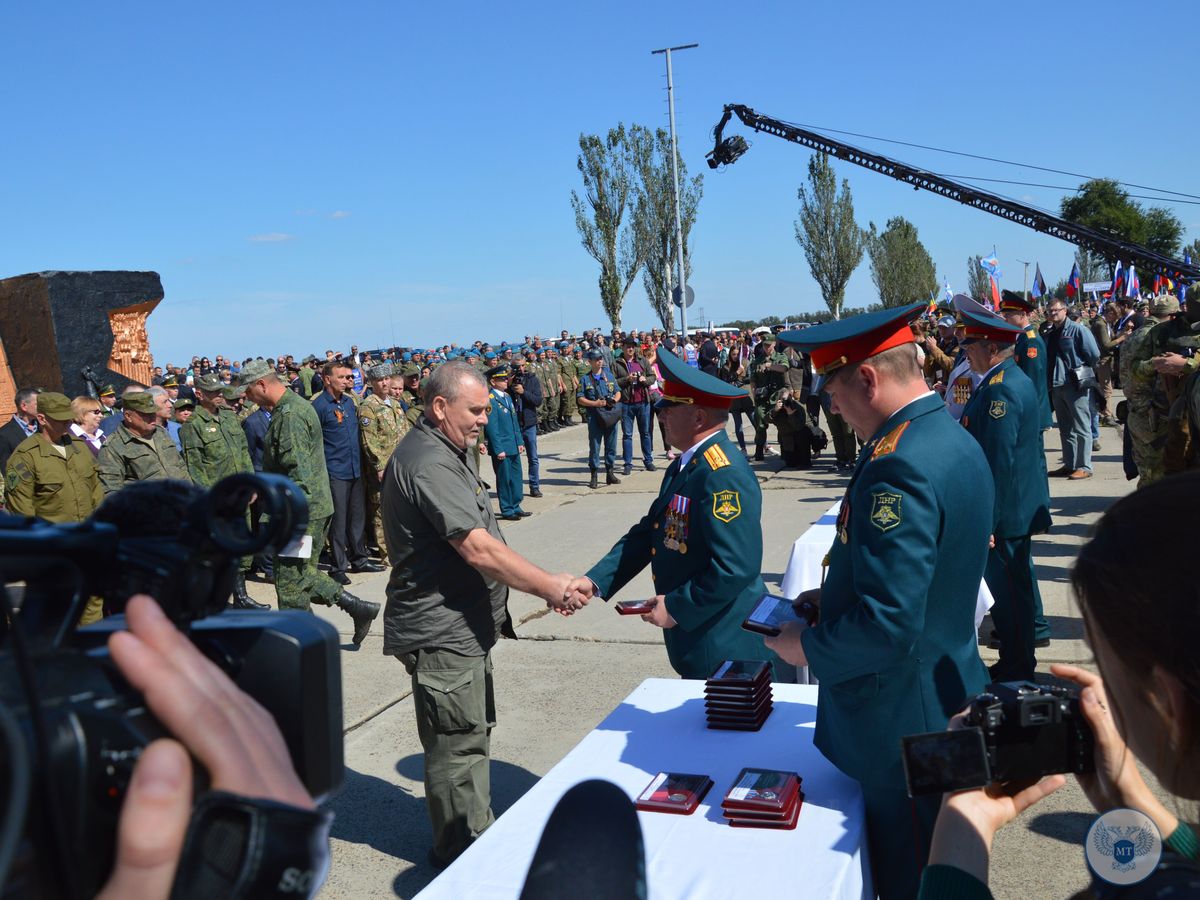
{"x":567,"y":593}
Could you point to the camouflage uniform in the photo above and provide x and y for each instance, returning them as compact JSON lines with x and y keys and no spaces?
{"x":1169,"y":423}
{"x":1147,"y":430}
{"x":768,"y":376}
{"x":570,"y":380}
{"x":126,"y":458}
{"x":554,"y":384}
{"x":581,"y":369}
{"x":382,"y":423}
{"x":293,"y":447}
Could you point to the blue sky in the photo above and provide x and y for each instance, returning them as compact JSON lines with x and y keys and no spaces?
{"x":305,"y":175}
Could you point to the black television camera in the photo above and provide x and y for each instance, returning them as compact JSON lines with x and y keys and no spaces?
{"x":1015,"y":731}
{"x":73,"y":727}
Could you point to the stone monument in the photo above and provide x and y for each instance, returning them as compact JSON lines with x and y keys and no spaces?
{"x":54,"y":326}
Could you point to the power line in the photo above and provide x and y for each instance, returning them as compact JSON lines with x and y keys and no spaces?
{"x":1007,"y":162}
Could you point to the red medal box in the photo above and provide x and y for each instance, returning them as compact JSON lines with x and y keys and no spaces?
{"x":784,"y":821}
{"x":762,"y":791}
{"x":674,"y":792}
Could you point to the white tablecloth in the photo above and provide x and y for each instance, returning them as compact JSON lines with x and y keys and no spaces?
{"x":804,"y":565}
{"x":660,"y":727}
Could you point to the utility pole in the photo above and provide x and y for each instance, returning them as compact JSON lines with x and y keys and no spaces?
{"x":682,"y":280}
{"x":1025,"y":285}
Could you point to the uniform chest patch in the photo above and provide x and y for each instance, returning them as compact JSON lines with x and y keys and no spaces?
{"x":998,"y":409}
{"x":727,"y":505}
{"x":885,"y":510}
{"x":1031,"y":352}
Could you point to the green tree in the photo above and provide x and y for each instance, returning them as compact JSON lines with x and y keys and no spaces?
{"x":900,"y":265}
{"x":1104,"y":205}
{"x":655,"y":219}
{"x":979,"y":286}
{"x":609,"y":167}
{"x":832,"y":241}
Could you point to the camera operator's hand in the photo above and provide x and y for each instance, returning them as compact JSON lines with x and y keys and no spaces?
{"x":235,"y":739}
{"x":1116,"y":781}
{"x":968,"y":820}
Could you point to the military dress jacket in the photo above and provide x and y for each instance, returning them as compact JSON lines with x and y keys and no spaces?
{"x":502,"y":432}
{"x":1030,"y":356}
{"x":702,"y":538}
{"x":895,"y":649}
{"x":214,"y":446}
{"x":295,"y":448}
{"x":1004,"y":417}
{"x":42,"y":482}
{"x":126,"y":458}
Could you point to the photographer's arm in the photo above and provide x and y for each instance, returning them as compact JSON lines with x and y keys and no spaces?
{"x":235,"y":739}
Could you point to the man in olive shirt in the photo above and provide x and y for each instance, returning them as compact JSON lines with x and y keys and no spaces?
{"x":53,"y":476}
{"x":139,"y":450}
{"x":447,"y":599}
{"x":214,"y":447}
{"x":292,"y":447}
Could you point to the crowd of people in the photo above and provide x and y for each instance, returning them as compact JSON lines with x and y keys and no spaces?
{"x":386,"y":447}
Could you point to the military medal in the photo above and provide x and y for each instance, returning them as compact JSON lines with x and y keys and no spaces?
{"x":843,"y":521}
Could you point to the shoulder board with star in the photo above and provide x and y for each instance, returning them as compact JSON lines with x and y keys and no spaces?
{"x":997,"y":378}
{"x":1031,"y":333}
{"x":888,"y":443}
{"x":716,"y":458}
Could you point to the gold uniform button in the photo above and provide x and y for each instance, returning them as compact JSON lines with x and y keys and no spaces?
{"x":656,"y":526}
{"x":651,"y":551}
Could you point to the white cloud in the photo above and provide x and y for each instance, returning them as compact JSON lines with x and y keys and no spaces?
{"x":339,"y":214}
{"x":271,"y":237}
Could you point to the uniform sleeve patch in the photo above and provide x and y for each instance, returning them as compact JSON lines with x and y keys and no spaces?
{"x":888,"y":443}
{"x":716,"y":459}
{"x":885,"y":510}
{"x":998,"y":409}
{"x":997,"y":378}
{"x":727,"y":505}
{"x":1031,"y":352}
{"x":364,"y":421}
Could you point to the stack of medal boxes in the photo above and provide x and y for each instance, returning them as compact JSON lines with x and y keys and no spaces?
{"x":763,"y":798}
{"x":737,"y":696}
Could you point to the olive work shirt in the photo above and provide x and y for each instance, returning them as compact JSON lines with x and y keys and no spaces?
{"x":431,"y":495}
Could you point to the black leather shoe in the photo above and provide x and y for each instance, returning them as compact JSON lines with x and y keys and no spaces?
{"x":510,"y":518}
{"x":339,"y":577}
{"x":650,"y":467}
{"x":363,"y":612}
{"x":537,"y":495}
{"x":593,"y":484}
{"x":368,"y":566}
{"x":611,"y":477}
{"x":524,"y":515}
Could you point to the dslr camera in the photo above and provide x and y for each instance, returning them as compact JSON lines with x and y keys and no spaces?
{"x":71,"y":728}
{"x":1015,"y":731}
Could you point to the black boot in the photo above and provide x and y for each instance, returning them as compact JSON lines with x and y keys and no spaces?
{"x":363,"y":612}
{"x":611,"y":477}
{"x":759,"y":451}
{"x":595,"y":482}
{"x":240,"y":599}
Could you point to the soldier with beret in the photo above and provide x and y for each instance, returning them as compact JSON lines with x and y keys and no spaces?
{"x":1003,"y":415}
{"x":139,"y":450}
{"x":214,"y":447}
{"x":702,"y":537}
{"x":293,"y":447}
{"x":895,"y":647}
{"x":502,"y":436}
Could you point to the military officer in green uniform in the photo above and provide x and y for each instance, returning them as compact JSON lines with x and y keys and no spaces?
{"x":1004,"y":416}
{"x":894,"y":648}
{"x":411,"y":394}
{"x":702,"y":537}
{"x":502,"y":435}
{"x":381,"y":425}
{"x":1030,"y":356}
{"x":52,"y":476}
{"x":1030,"y":351}
{"x":768,"y":375}
{"x":214,"y":447}
{"x":293,"y":447}
{"x":139,"y":449}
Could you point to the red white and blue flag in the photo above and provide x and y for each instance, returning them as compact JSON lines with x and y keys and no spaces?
{"x":1073,"y":286}
{"x":1132,"y":287}
{"x":1118,"y":281}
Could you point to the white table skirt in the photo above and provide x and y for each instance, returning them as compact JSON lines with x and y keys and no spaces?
{"x":660,"y":727}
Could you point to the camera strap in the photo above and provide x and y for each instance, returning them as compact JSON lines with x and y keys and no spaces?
{"x":238,"y":847}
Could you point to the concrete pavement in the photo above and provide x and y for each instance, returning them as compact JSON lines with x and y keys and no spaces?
{"x":566,"y":674}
